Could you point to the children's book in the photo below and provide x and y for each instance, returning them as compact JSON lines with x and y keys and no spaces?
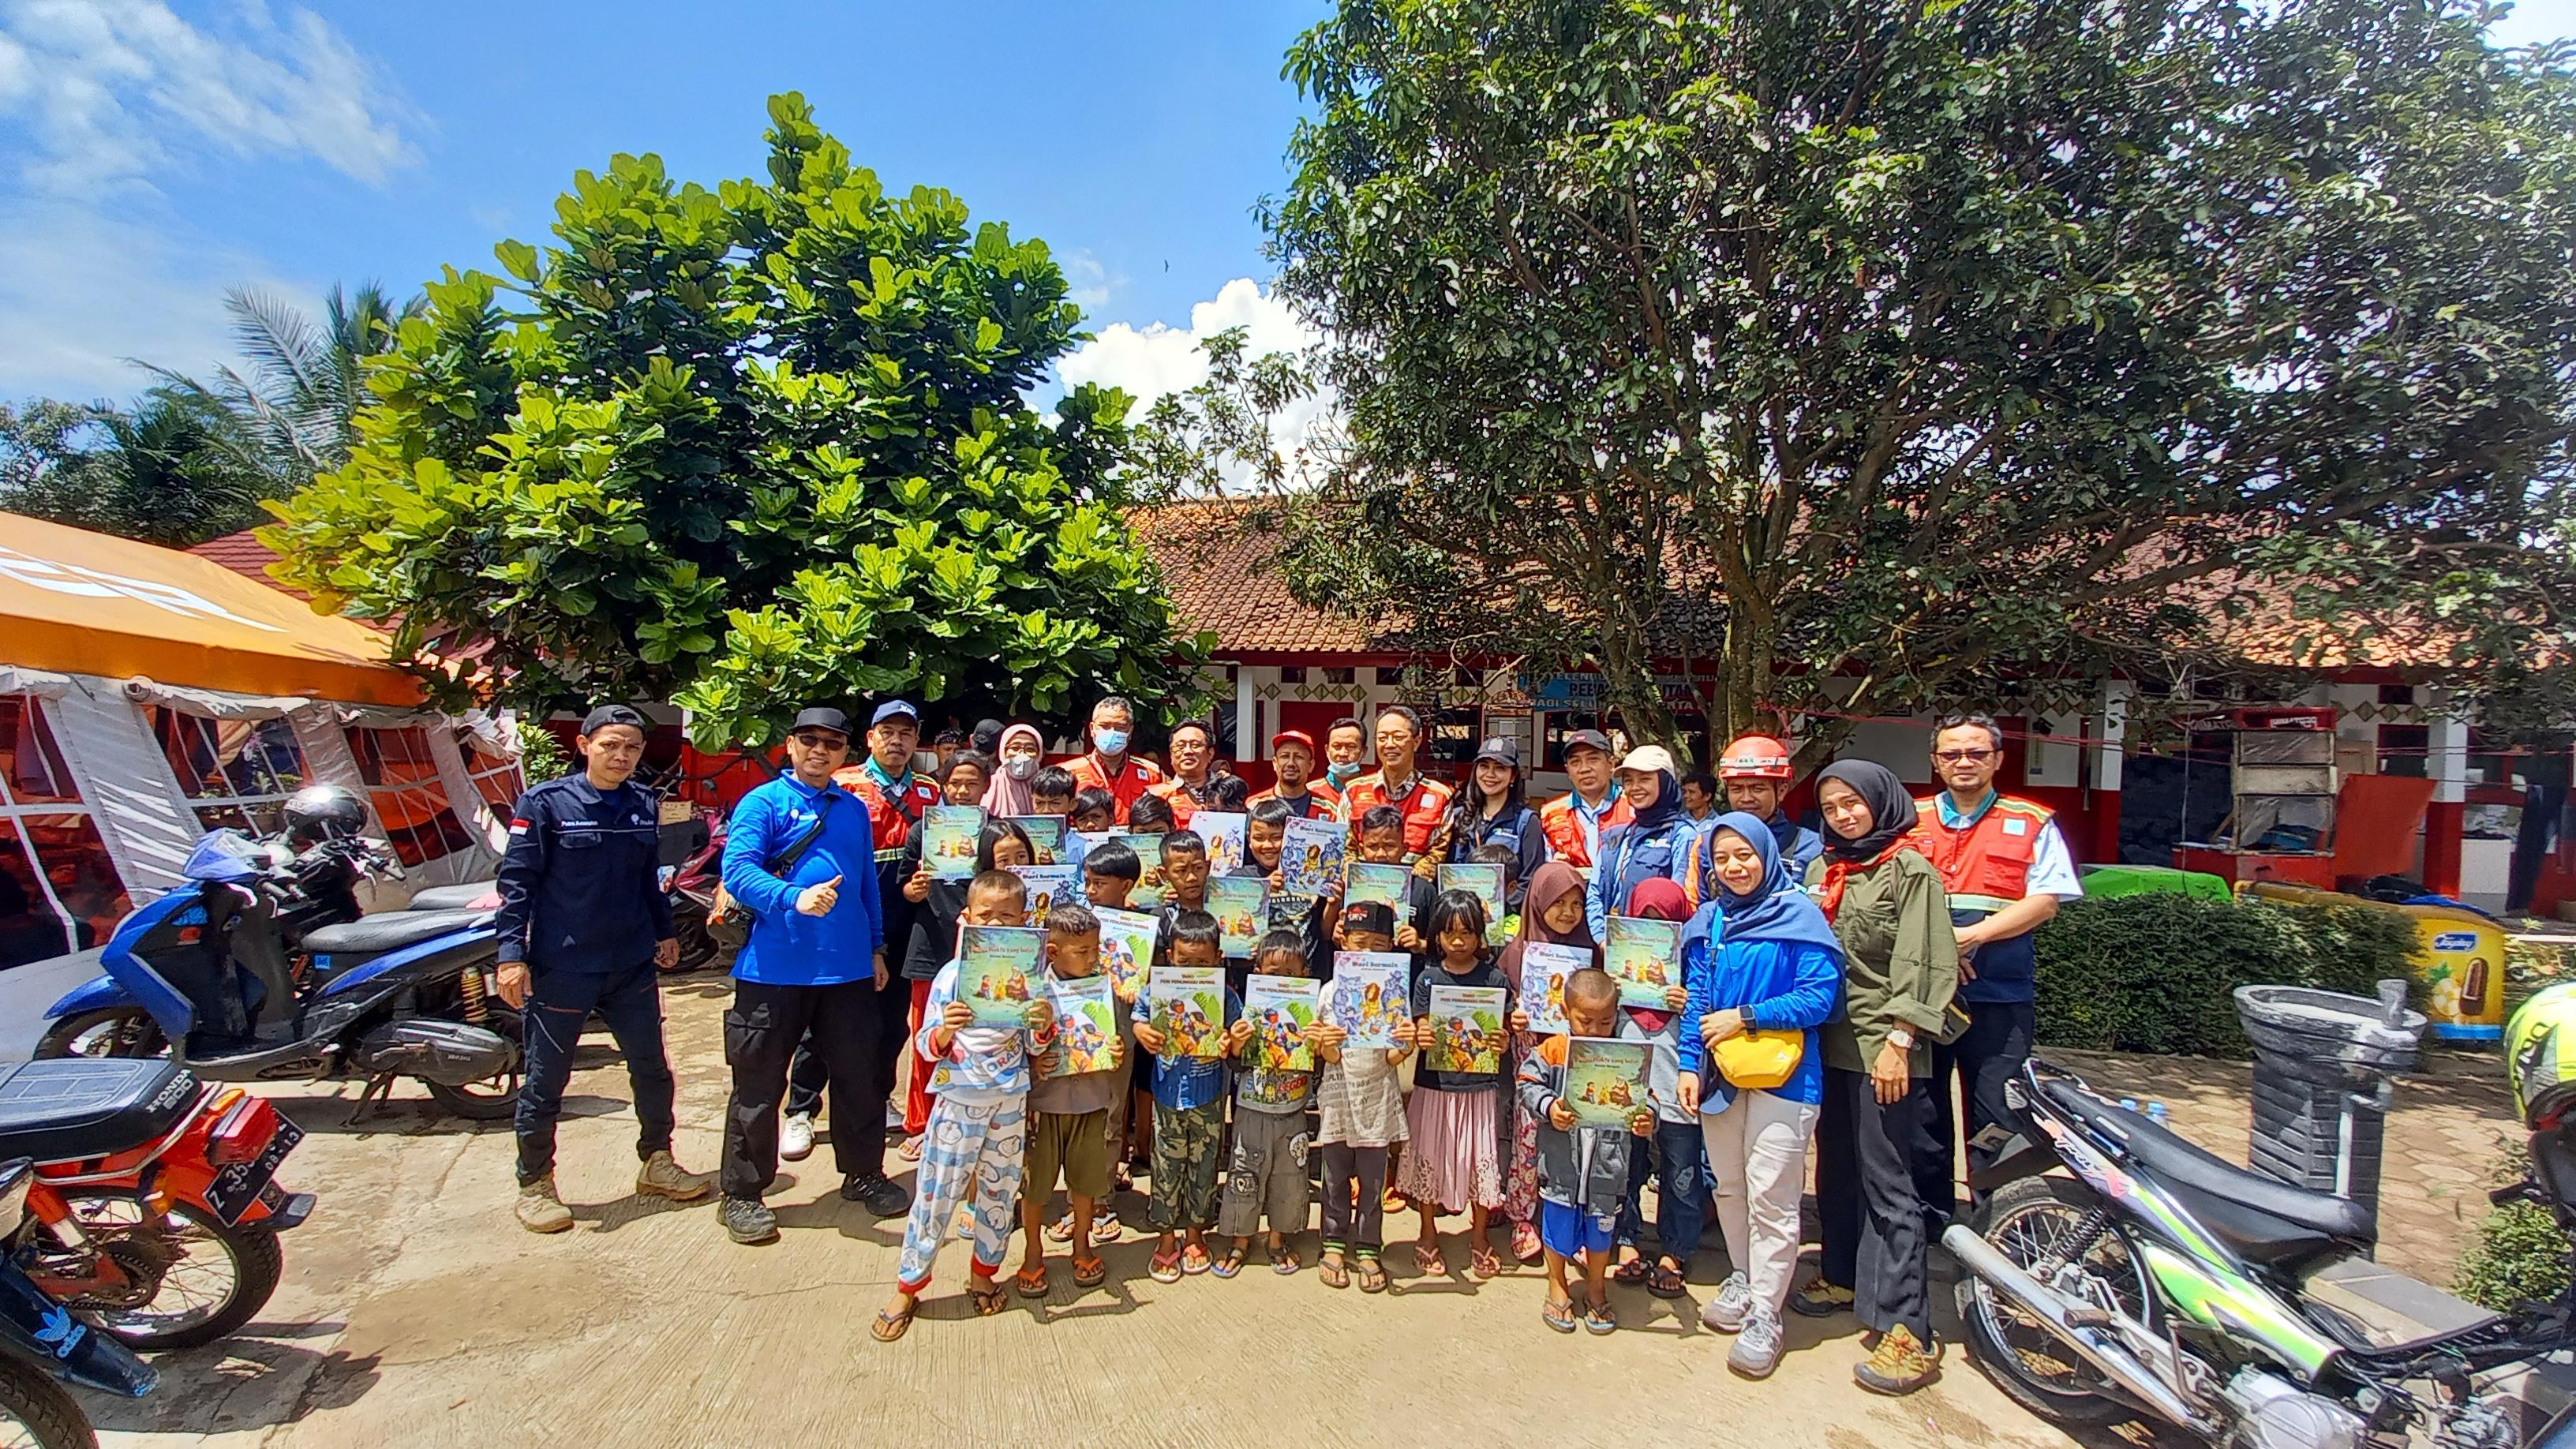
{"x":1372,"y":996}
{"x":1484,"y":881}
{"x":1189,"y":1009}
{"x":1086,"y":1023}
{"x":1226,"y":834}
{"x":1310,"y":856}
{"x":1046,"y":837}
{"x":994,"y":967}
{"x":948,"y":835}
{"x":1387,"y":883}
{"x":1605,"y":1080}
{"x":1149,"y":857}
{"x":1047,"y":885}
{"x":1467,"y":1028}
{"x":1544,"y":969}
{"x":1127,"y":944}
{"x":1644,"y":957}
{"x":1240,"y":904}
{"x":1079,"y":844}
{"x":1288,"y":913}
{"x":1280,"y":1009}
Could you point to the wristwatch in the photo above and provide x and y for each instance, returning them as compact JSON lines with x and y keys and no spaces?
{"x":1902,"y":1039}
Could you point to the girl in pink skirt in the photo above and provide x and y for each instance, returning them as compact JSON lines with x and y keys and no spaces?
{"x":1454,"y":1162}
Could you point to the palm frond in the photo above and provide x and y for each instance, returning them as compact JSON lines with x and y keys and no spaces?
{"x":293,"y":358}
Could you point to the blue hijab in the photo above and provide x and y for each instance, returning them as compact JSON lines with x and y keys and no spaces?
{"x":1777,"y":910}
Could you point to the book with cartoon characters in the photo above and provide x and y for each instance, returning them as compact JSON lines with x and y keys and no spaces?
{"x":1047,"y":885}
{"x":994,"y":967}
{"x":1240,"y":904}
{"x":1127,"y":944}
{"x":1482,"y":879}
{"x":1644,"y":956}
{"x":1226,"y":834}
{"x":1605,"y":1080}
{"x":1373,"y":996}
{"x":1544,"y":969}
{"x":1390,"y":884}
{"x":1289,"y":913}
{"x":1467,"y":1028}
{"x":1280,"y":1009}
{"x":1189,"y":1009}
{"x":1149,"y":859}
{"x":1310,"y":856}
{"x":948,"y":836}
{"x":1046,"y":837}
{"x":1086,"y":1023}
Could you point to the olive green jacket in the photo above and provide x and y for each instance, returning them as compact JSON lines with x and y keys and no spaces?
{"x":1901,"y":959}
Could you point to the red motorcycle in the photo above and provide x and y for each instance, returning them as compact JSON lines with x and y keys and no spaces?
{"x":155,"y":1211}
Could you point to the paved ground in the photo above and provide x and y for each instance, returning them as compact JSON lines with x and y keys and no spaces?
{"x":416,"y":1313}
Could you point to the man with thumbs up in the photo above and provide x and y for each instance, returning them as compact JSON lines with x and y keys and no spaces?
{"x":800,"y":856}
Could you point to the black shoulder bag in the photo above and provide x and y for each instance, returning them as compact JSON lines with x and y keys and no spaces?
{"x":727,"y":921}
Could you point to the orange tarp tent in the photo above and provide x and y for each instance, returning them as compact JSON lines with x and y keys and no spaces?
{"x":77,"y":602}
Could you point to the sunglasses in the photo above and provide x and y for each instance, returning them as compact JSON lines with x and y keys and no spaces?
{"x":1961,"y":757}
{"x":822,"y":742}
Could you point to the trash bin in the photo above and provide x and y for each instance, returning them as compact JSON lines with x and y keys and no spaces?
{"x":2322,"y":1068}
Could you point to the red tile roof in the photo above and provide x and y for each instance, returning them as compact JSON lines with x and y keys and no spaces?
{"x":248,"y":557}
{"x":1217,"y":558}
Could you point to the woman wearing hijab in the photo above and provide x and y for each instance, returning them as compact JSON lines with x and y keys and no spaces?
{"x":1759,"y":957}
{"x":1494,"y":810}
{"x":1551,"y":915}
{"x":1023,"y":755}
{"x":1655,"y":845}
{"x":1874,"y":1136}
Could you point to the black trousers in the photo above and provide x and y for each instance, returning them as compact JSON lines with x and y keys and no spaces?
{"x":762,"y":1030}
{"x":806,"y":1075}
{"x":1989,"y":1054}
{"x":1876,"y":1242}
{"x":559,"y":1003}
{"x":1358,"y":1227}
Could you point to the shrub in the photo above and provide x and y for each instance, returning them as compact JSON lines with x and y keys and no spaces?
{"x":2520,"y":1255}
{"x":2158,"y":973}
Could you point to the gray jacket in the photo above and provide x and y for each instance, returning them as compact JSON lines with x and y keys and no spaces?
{"x":1586,"y":1167}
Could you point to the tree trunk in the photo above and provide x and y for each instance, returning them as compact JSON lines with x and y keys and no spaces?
{"x":1628,"y":686}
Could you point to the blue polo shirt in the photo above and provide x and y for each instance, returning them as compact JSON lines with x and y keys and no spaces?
{"x":787,"y":947}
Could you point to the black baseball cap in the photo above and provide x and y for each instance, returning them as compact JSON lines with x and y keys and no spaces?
{"x":821,"y":717}
{"x":613,"y":714}
{"x":1587,"y":739}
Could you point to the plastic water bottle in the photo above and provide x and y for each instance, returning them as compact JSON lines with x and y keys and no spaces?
{"x":2157,"y":1114}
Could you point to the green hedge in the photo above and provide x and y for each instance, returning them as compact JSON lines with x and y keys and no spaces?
{"x":2158,"y":973}
{"x":2520,"y":1255}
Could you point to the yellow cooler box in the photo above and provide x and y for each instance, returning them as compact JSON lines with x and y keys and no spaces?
{"x":2459,"y":956}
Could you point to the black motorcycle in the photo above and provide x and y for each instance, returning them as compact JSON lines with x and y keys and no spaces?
{"x":41,"y":1342}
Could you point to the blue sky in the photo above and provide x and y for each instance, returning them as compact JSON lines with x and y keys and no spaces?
{"x":152,"y":154}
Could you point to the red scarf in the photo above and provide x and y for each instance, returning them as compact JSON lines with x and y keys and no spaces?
{"x":1839,"y":870}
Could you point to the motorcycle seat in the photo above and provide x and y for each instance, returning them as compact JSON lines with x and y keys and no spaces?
{"x":2259,"y":1219}
{"x":389,"y":931}
{"x":77,"y":1107}
{"x":453,"y":897}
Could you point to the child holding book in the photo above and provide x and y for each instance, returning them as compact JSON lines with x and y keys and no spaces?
{"x":1678,"y":1159}
{"x":1069,"y":1120}
{"x":1266,"y":1168}
{"x":1108,"y":874}
{"x":1093,"y":812}
{"x":1362,"y":1101}
{"x":978,"y":1131}
{"x":1370,"y":926}
{"x":1454,"y":1120}
{"x":1551,"y":915}
{"x":1151,"y":819}
{"x":1379,"y":840}
{"x":1583,"y":1171}
{"x":933,"y":936}
{"x":1265,"y":840}
{"x":1189,"y":1114}
{"x":1510,"y":860}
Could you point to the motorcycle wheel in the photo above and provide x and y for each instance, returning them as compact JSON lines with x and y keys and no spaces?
{"x":196,"y":1279}
{"x":2029,"y":1221}
{"x":496,"y":1097}
{"x":35,"y":1412}
{"x":116,"y":1031}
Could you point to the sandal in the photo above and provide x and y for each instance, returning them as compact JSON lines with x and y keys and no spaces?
{"x":1061,"y":1230}
{"x":890,"y":1326}
{"x":1665,"y":1281}
{"x":1482,"y":1264}
{"x":1372,"y":1274}
{"x":1334,"y":1271}
{"x":1601,"y":1318}
{"x":1104,"y":1229}
{"x":1225,"y":1267}
{"x":1031,"y":1282}
{"x":1195,"y":1260}
{"x":1632,"y":1272}
{"x":1090,"y":1272}
{"x":910,"y":1151}
{"x":1164,"y":1269}
{"x":1559,"y":1316}
{"x":1525,"y":1243}
{"x":1283,"y":1260}
{"x":1428,"y":1259}
{"x":989,"y":1297}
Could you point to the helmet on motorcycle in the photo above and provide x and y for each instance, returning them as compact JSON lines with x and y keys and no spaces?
{"x":323,"y":812}
{"x":2540,"y":1055}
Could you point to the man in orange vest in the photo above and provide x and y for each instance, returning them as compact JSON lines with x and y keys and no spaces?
{"x":1107,"y":765}
{"x":1574,"y":823}
{"x":1421,"y":800}
{"x":2006,"y":867}
{"x":1292,"y":759}
{"x":1755,"y":773}
{"x":1199,"y":781}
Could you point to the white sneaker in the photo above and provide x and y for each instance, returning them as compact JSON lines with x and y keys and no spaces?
{"x":1726,"y":1312}
{"x":796,"y":1137}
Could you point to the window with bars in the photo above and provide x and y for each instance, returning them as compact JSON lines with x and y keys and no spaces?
{"x":403,"y":784}
{"x":497,"y":780}
{"x":59,"y":891}
{"x":235,"y":772}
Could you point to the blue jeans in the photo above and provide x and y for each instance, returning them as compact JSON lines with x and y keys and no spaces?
{"x":559,"y":1002}
{"x":1679,"y":1166}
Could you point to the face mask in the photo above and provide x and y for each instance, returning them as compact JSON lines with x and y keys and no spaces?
{"x":1342,"y":775}
{"x":1020,"y":767}
{"x":1110,"y":742}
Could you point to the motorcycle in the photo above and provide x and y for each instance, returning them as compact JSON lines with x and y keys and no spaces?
{"x":2163,"y":1280}
{"x":40,"y":1342}
{"x":698,"y":846}
{"x":262,"y":970}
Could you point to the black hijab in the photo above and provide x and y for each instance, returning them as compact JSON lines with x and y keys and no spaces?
{"x":1891,"y":809}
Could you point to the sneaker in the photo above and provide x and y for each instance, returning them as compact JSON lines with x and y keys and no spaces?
{"x":1820,"y":1299}
{"x":1726,"y":1311}
{"x":875,"y":1192}
{"x":662,"y":1177}
{"x":539,"y":1210}
{"x":1757,"y":1345}
{"x":747,"y":1220}
{"x":1901,"y":1365}
{"x":796,"y":1138}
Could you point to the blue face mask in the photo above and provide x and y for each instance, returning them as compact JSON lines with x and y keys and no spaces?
{"x":1110,"y":742}
{"x":1342,"y":775}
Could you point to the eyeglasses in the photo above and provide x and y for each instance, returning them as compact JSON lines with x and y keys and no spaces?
{"x":821,"y":742}
{"x":1962,"y":757}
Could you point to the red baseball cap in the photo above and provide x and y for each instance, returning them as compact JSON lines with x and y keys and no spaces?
{"x":1293,"y":737}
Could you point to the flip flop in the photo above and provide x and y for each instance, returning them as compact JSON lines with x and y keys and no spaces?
{"x":1061,"y":1230}
{"x":1430,"y":1262}
{"x":1334,"y":1270}
{"x":1482,"y":1264}
{"x":910,"y":1151}
{"x":1632,"y":1272}
{"x":1225,"y":1267}
{"x":1559,"y":1316}
{"x":1031,"y":1282}
{"x":890,"y":1326}
{"x":1525,"y":1243}
{"x":1601,"y":1318}
{"x":1104,"y":1229}
{"x":1164,"y":1269}
{"x":1090,"y":1272}
{"x":988,"y":1296}
{"x":1283,"y":1261}
{"x":1194,"y":1260}
{"x":1372,"y":1274}
{"x":1666,"y":1282}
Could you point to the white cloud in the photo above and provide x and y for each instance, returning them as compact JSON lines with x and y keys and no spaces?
{"x":1156,"y":359}
{"x":1090,"y":284}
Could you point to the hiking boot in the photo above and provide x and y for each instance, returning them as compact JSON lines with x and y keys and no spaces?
{"x":1757,"y":1345}
{"x":747,"y":1220}
{"x":539,"y":1210}
{"x":796,"y":1137}
{"x":875,"y":1192}
{"x":1725,"y":1312}
{"x":661,"y":1176}
{"x":1901,"y":1365}
{"x":1820,"y":1299}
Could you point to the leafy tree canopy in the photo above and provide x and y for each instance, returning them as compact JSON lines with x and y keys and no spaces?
{"x":744,"y":448}
{"x":174,"y":469}
{"x":1932,"y":338}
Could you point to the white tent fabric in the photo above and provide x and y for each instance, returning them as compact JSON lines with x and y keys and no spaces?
{"x":143,"y":820}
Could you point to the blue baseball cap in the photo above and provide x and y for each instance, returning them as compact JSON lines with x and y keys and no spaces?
{"x":890,"y":709}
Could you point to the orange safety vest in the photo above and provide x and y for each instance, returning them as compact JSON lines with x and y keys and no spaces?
{"x":1323,"y":802}
{"x":1423,"y":807}
{"x":1139,"y":776}
{"x":1986,"y":866}
{"x":1559,"y":820}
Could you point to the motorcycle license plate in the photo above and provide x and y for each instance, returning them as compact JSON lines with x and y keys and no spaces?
{"x":236,"y":1187}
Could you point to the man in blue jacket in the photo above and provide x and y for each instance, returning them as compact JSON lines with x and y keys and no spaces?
{"x":800,"y":856}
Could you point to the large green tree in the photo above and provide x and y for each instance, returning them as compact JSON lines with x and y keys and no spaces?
{"x":745,"y":447}
{"x":174,"y":468}
{"x":1931,"y":338}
